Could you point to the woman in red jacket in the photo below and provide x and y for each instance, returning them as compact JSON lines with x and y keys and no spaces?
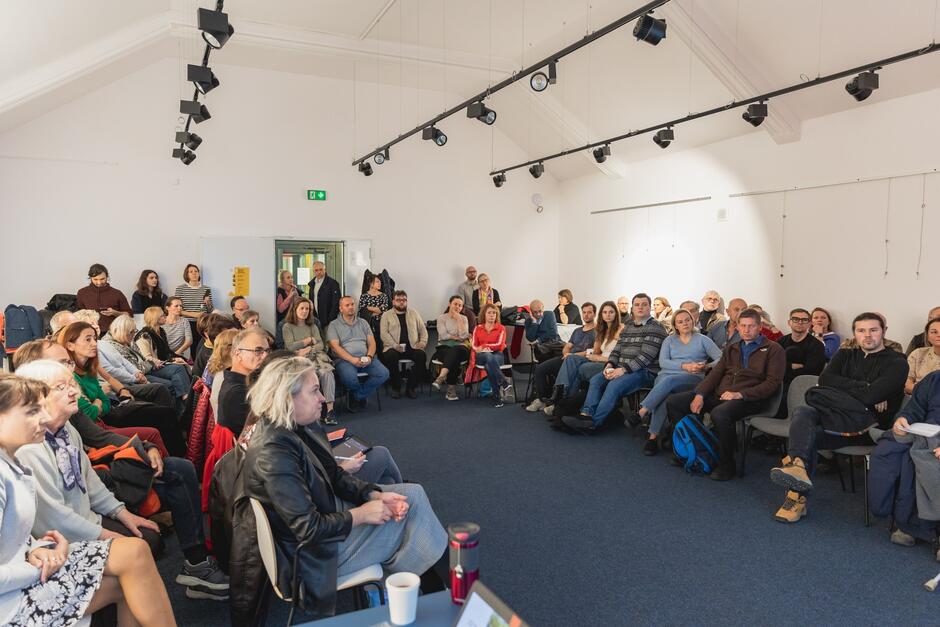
{"x":488,"y":344}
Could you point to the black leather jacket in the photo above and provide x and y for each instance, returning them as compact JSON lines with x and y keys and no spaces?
{"x":293,"y":474}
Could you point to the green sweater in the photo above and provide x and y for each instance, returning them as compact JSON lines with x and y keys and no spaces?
{"x":91,"y":391}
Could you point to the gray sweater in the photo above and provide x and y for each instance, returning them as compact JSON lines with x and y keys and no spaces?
{"x":77,"y":515}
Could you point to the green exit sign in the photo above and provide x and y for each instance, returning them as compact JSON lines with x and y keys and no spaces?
{"x":316,"y":194}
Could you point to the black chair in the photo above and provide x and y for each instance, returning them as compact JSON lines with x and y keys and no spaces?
{"x":507,"y":366}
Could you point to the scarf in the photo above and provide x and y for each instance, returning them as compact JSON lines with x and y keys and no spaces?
{"x":130,"y":353}
{"x":67,"y":459}
{"x":485,"y":296}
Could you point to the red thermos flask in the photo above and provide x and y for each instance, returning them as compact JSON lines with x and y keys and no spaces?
{"x":464,"y":540}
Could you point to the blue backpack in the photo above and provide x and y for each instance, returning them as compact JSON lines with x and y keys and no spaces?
{"x":695,"y":445}
{"x":22,"y":324}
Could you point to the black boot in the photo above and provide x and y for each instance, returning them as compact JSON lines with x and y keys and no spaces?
{"x":557,"y":393}
{"x":436,"y":578}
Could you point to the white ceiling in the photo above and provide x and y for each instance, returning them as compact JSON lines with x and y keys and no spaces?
{"x":715,"y":51}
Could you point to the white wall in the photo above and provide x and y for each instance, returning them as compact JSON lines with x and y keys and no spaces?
{"x":93,"y":181}
{"x":833,"y":249}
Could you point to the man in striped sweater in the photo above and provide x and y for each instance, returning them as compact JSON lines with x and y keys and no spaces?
{"x":632,"y":365}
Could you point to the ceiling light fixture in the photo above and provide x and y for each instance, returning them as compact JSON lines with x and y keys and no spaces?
{"x":381,"y":157}
{"x":190,"y":140}
{"x":601,"y":154}
{"x":664,"y":137}
{"x":755,"y":114}
{"x":366,"y":168}
{"x":215,"y":28}
{"x":862,"y":85}
{"x":540,"y":81}
{"x":499,"y":179}
{"x":537,"y":170}
{"x":186,"y":156}
{"x":197,"y":111}
{"x":480,"y":111}
{"x":434,"y":134}
{"x":201,"y":76}
{"x":650,"y":29}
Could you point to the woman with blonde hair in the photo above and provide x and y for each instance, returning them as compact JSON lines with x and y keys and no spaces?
{"x":662,"y":311}
{"x":287,"y":293}
{"x":118,"y":345}
{"x":484,"y":294}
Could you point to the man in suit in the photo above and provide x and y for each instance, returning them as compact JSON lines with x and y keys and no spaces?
{"x":324,"y":292}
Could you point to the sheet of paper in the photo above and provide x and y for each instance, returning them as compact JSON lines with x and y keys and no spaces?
{"x":924,"y":429}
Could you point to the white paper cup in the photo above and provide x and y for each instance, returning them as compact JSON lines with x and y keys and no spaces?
{"x":402,"y":591}
{"x":402,"y":347}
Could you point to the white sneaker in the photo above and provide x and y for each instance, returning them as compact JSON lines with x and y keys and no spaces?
{"x":535,"y":405}
{"x":549,"y":410}
{"x":451,"y":393}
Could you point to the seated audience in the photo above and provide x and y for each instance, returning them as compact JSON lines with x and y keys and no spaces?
{"x":453,"y":346}
{"x":662,"y":311}
{"x":920,"y":340}
{"x":683,"y":359}
{"x":577,"y":368}
{"x":219,"y":363}
{"x":121,"y":359}
{"x":179,"y":335}
{"x":486,"y":349}
{"x":749,"y":372}
{"x":239,"y":305}
{"x":195,"y":297}
{"x":47,"y":580}
{"x":90,"y":316}
{"x":822,"y":331}
{"x":302,"y":337}
{"x":726,"y":331}
{"x":72,"y":498}
{"x":581,"y":340}
{"x":287,"y":293}
{"x":99,"y":296}
{"x":859,"y":388}
{"x":767,"y":328}
{"x":805,"y":355}
{"x":623,"y":306}
{"x":249,"y":348}
{"x":147,"y":293}
{"x":372,"y":304}
{"x":566,"y":312}
{"x":693,"y":308}
{"x":903,"y":468}
{"x":80,"y":340}
{"x":466,"y":289}
{"x":404,"y":336}
{"x":327,"y":525}
{"x":251,"y":319}
{"x":713,"y":311}
{"x":922,"y":361}
{"x":60,"y":320}
{"x":632,"y":365}
{"x":208,"y":328}
{"x":485,"y":293}
{"x":152,"y":340}
{"x":852,"y":342}
{"x":353,"y":347}
{"x":541,"y":330}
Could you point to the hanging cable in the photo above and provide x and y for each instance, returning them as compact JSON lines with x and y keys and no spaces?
{"x":783,"y":230}
{"x":923,"y":213}
{"x":887,"y":223}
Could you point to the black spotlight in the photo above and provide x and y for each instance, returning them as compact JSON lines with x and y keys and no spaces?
{"x":190,"y":140}
{"x":479,"y":111}
{"x":197,"y":111}
{"x":601,"y":154}
{"x":664,"y":137}
{"x":862,"y":85}
{"x":202,"y":77}
{"x":215,"y":27}
{"x":499,"y":179}
{"x":650,"y":30}
{"x":540,"y":82}
{"x":755,"y":114}
{"x":365,"y":168}
{"x":381,"y":157}
{"x":434,"y":134}
{"x":537,"y":170}
{"x":186,"y":156}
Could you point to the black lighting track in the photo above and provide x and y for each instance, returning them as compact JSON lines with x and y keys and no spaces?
{"x":587,"y":39}
{"x":734,"y":104}
{"x":205,"y":63}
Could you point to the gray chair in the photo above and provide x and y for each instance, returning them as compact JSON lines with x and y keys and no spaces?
{"x":767,"y":423}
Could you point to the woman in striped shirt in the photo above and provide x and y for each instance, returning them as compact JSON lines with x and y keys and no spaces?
{"x":196,"y":297}
{"x":179,"y":336}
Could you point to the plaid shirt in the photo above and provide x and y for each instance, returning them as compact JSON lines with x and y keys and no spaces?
{"x":638,"y":346}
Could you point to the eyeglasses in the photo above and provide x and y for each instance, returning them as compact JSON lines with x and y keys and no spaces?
{"x":257,"y":351}
{"x":799,"y":320}
{"x":64,"y":387}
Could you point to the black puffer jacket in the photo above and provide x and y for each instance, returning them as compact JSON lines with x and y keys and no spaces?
{"x":294,"y":476}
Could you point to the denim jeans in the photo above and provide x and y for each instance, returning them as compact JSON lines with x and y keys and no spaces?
{"x":173,"y":376}
{"x":666,"y":384}
{"x":492,"y":362}
{"x":178,"y":490}
{"x":567,"y":376}
{"x":348,"y":376}
{"x":603,"y":395}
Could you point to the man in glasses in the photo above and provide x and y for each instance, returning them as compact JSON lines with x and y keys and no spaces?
{"x":404,"y":336}
{"x":805,"y":354}
{"x":249,"y":348}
